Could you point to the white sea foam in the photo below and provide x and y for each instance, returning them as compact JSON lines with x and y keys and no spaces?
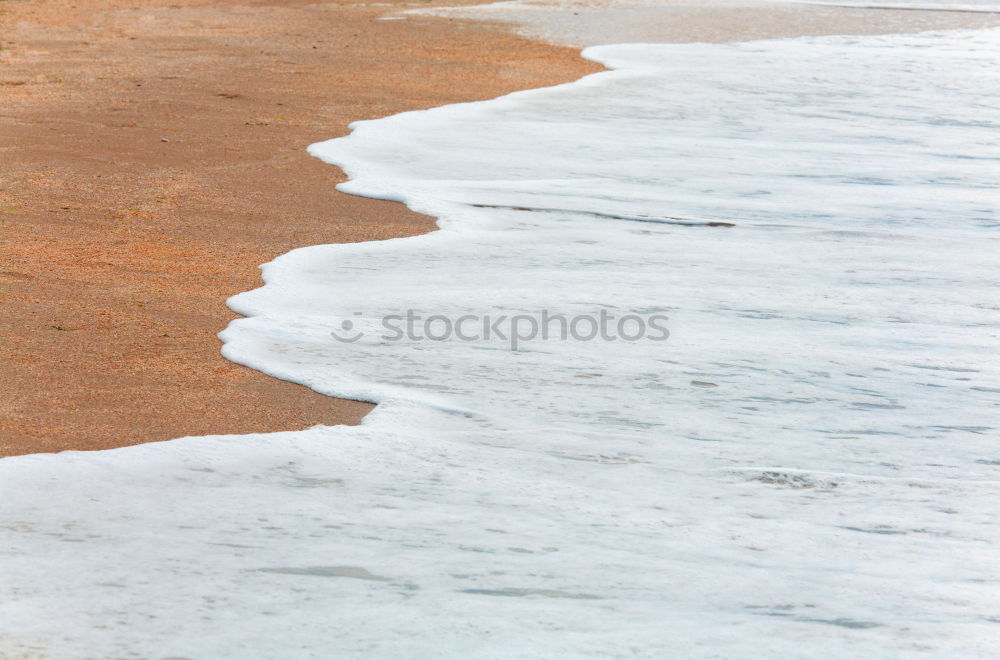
{"x":807,"y":467}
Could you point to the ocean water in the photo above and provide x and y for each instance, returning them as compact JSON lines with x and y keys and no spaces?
{"x":808,"y":465}
{"x":933,"y":5}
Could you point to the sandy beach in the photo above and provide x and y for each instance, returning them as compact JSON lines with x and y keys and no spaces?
{"x":154,"y":156}
{"x":698,"y":363}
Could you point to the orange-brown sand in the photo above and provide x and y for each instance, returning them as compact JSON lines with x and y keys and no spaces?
{"x":152,"y":155}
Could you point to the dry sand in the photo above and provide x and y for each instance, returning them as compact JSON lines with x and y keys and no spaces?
{"x":152,"y":155}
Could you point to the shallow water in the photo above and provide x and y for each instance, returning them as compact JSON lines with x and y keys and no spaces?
{"x":806,"y":466}
{"x":938,"y":5}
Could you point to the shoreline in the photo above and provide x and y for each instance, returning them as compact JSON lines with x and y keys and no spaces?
{"x":160,"y":157}
{"x":822,"y":393}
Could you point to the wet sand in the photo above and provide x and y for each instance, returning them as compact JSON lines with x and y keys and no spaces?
{"x":153,"y":155}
